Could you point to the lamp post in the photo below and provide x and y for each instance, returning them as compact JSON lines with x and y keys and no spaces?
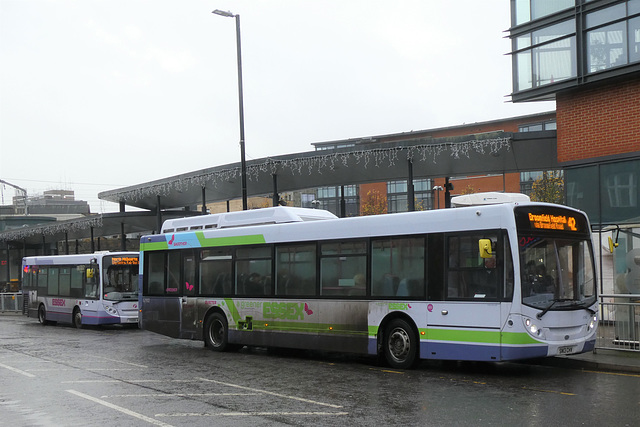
{"x":243,"y":162}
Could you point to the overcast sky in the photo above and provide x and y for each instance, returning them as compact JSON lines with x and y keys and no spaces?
{"x":100,"y":94}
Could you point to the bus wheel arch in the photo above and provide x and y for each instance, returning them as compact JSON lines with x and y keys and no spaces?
{"x":399,"y":342}
{"x":77,"y":317}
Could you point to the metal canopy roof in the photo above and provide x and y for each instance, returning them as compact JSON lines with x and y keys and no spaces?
{"x":494,"y":152}
{"x":109,"y":224}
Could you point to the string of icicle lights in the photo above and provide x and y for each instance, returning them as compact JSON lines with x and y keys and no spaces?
{"x":323,"y":163}
{"x":50,"y":229}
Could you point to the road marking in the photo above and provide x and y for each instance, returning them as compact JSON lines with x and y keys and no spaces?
{"x":614,"y":373}
{"x":272,"y":393}
{"x":564,"y":393}
{"x":16,"y":370}
{"x":122,"y":362}
{"x":250,"y":414}
{"x":120,"y":409}
{"x":83,"y":369}
{"x":178,"y":395}
{"x":126,"y":381}
{"x":386,"y":371}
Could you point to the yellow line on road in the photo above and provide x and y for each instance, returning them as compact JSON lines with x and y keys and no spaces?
{"x":614,"y":373}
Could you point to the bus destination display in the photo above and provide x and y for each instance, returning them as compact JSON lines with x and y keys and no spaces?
{"x":553,"y":222}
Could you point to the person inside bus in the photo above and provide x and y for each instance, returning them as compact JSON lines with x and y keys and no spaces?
{"x":253,"y":285}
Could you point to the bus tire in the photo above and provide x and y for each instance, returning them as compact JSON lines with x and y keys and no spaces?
{"x":400,"y":344}
{"x":42,"y":315}
{"x":77,"y":318}
{"x":216,"y":333}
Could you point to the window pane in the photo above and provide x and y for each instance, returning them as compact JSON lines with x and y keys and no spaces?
{"x":523,"y":66}
{"x":190,"y":287}
{"x":76,"y":281}
{"x":253,"y":277}
{"x":155,"y":273}
{"x":398,"y":267}
{"x":607,"y":47}
{"x":215,"y":272}
{"x":606,"y":15}
{"x":65,"y":281}
{"x":580,"y":186}
{"x":343,"y":275}
{"x":554,"y":62}
{"x":173,"y":273}
{"x":296,"y":270}
{"x":540,"y":8}
{"x":52,"y":282}
{"x":620,"y":191}
{"x":553,"y":32}
{"x":634,"y":39}
{"x":470,"y":275}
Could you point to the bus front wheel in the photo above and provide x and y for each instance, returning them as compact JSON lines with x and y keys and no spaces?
{"x":216,"y":335}
{"x":77,"y":318}
{"x":400,"y":344}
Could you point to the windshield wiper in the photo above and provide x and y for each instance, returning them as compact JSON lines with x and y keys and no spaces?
{"x":547,"y":308}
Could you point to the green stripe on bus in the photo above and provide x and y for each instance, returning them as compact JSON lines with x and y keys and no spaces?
{"x":253,"y":239}
{"x":154,"y":246}
{"x":518,"y":338}
{"x":489,"y":337}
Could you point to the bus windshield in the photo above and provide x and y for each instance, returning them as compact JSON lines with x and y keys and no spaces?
{"x":120,"y":278}
{"x":557,"y":273}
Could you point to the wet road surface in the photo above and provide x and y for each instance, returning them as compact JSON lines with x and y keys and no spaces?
{"x":60,"y":376}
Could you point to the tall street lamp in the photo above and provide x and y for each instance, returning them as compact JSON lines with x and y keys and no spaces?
{"x":243,"y":162}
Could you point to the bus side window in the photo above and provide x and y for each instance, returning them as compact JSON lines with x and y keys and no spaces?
{"x":296,"y":270}
{"x":435,"y":267}
{"x":76,"y":282}
{"x":215,"y":272}
{"x":154,"y":273}
{"x":398,"y":267}
{"x":42,"y":281}
{"x":469,"y":275}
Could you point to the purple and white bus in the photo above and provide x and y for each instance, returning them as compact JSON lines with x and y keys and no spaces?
{"x":89,"y":289}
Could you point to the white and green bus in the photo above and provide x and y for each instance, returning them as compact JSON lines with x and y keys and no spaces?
{"x":488,"y":283}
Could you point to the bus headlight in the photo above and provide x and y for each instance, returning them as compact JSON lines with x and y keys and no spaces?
{"x":112,"y":311}
{"x":593,"y":322}
{"x":532,"y":328}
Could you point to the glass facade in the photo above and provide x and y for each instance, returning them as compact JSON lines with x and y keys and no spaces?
{"x":553,"y":50}
{"x":328,"y":198}
{"x":608,"y":192}
{"x":397,"y":195}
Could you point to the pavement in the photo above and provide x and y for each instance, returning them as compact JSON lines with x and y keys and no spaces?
{"x":598,"y":360}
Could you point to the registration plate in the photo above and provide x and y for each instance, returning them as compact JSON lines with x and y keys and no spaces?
{"x":566,"y":349}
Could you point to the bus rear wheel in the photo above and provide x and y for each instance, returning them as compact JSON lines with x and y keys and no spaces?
{"x":216,"y":334}
{"x":400,"y":344}
{"x":77,"y":318}
{"x":42,"y":315}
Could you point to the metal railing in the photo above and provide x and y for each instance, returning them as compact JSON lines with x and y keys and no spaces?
{"x":619,"y":327}
{"x":11,"y":302}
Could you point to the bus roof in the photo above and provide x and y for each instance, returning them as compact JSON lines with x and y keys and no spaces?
{"x":488,"y":198}
{"x":72,"y":258}
{"x":274,"y":215}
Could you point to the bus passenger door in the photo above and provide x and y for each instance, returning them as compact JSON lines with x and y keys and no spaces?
{"x":188,"y":301}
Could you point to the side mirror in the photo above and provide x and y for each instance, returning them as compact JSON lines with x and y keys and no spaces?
{"x":485,"y":248}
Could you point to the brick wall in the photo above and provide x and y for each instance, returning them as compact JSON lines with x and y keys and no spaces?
{"x":599,"y":121}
